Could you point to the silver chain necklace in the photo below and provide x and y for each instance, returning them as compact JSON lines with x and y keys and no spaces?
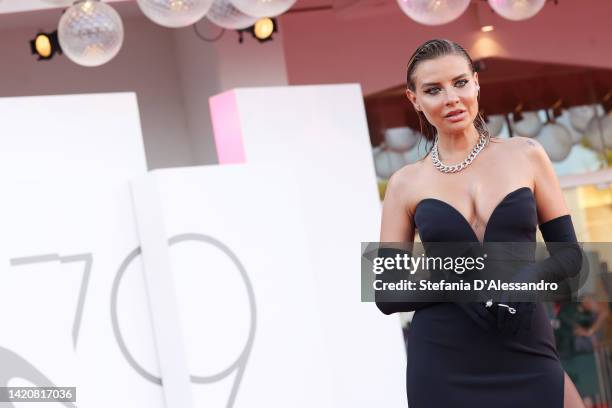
{"x":482,"y":142}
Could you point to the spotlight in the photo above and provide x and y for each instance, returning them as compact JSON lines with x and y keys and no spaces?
{"x":262,"y":30}
{"x":45,"y":45}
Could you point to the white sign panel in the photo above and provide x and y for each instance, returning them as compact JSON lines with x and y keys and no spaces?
{"x":320,"y":133}
{"x":68,"y":231}
{"x":242,"y":280}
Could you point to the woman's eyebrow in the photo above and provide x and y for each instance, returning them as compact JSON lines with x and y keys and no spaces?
{"x":437,"y":83}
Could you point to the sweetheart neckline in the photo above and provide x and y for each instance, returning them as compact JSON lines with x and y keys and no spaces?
{"x":484,"y":237}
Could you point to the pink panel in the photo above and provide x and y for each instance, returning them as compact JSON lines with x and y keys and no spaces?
{"x":226,"y":128}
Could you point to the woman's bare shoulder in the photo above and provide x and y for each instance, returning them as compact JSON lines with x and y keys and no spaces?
{"x":518,"y":147}
{"x":407,"y":175}
{"x":521,"y":143}
{"x":403,"y":183}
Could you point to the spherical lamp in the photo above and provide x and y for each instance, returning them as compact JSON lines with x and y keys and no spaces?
{"x":90,"y":33}
{"x":517,"y":9}
{"x":174,"y":13}
{"x":433,"y":12}
{"x":263,"y":8}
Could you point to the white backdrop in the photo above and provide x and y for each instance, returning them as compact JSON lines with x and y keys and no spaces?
{"x":239,"y":284}
{"x":67,"y":226}
{"x":320,"y":133}
{"x":243,"y":283}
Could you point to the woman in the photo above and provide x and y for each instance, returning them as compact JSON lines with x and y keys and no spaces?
{"x":575,"y":335}
{"x":499,"y":192}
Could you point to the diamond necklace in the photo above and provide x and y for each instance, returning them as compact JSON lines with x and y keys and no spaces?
{"x":482,"y":142}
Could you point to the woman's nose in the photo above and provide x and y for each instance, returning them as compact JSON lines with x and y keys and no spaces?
{"x":451,"y":97}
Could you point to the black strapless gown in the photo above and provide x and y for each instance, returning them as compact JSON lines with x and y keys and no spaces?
{"x":452,"y":362}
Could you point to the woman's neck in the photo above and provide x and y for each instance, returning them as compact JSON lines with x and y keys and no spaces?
{"x":454,"y":147}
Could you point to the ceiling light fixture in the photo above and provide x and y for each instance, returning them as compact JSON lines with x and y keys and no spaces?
{"x":262,"y":30}
{"x":45,"y":45}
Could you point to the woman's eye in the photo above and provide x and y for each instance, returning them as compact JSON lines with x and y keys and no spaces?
{"x":462,"y":82}
{"x":432,"y":91}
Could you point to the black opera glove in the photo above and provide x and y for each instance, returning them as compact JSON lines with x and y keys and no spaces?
{"x":393,"y":302}
{"x":389,"y":303}
{"x":564,"y":263}
{"x":476,"y":310}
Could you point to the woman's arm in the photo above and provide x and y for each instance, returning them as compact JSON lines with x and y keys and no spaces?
{"x":566,"y":257}
{"x":555,"y":221}
{"x":602,"y":311}
{"x":547,"y":190}
{"x":396,"y":226}
{"x":396,"y":223}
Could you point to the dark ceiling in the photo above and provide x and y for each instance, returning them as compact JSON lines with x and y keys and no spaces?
{"x":504,"y":84}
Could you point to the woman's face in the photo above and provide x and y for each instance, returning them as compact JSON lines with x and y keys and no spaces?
{"x":446,"y":85}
